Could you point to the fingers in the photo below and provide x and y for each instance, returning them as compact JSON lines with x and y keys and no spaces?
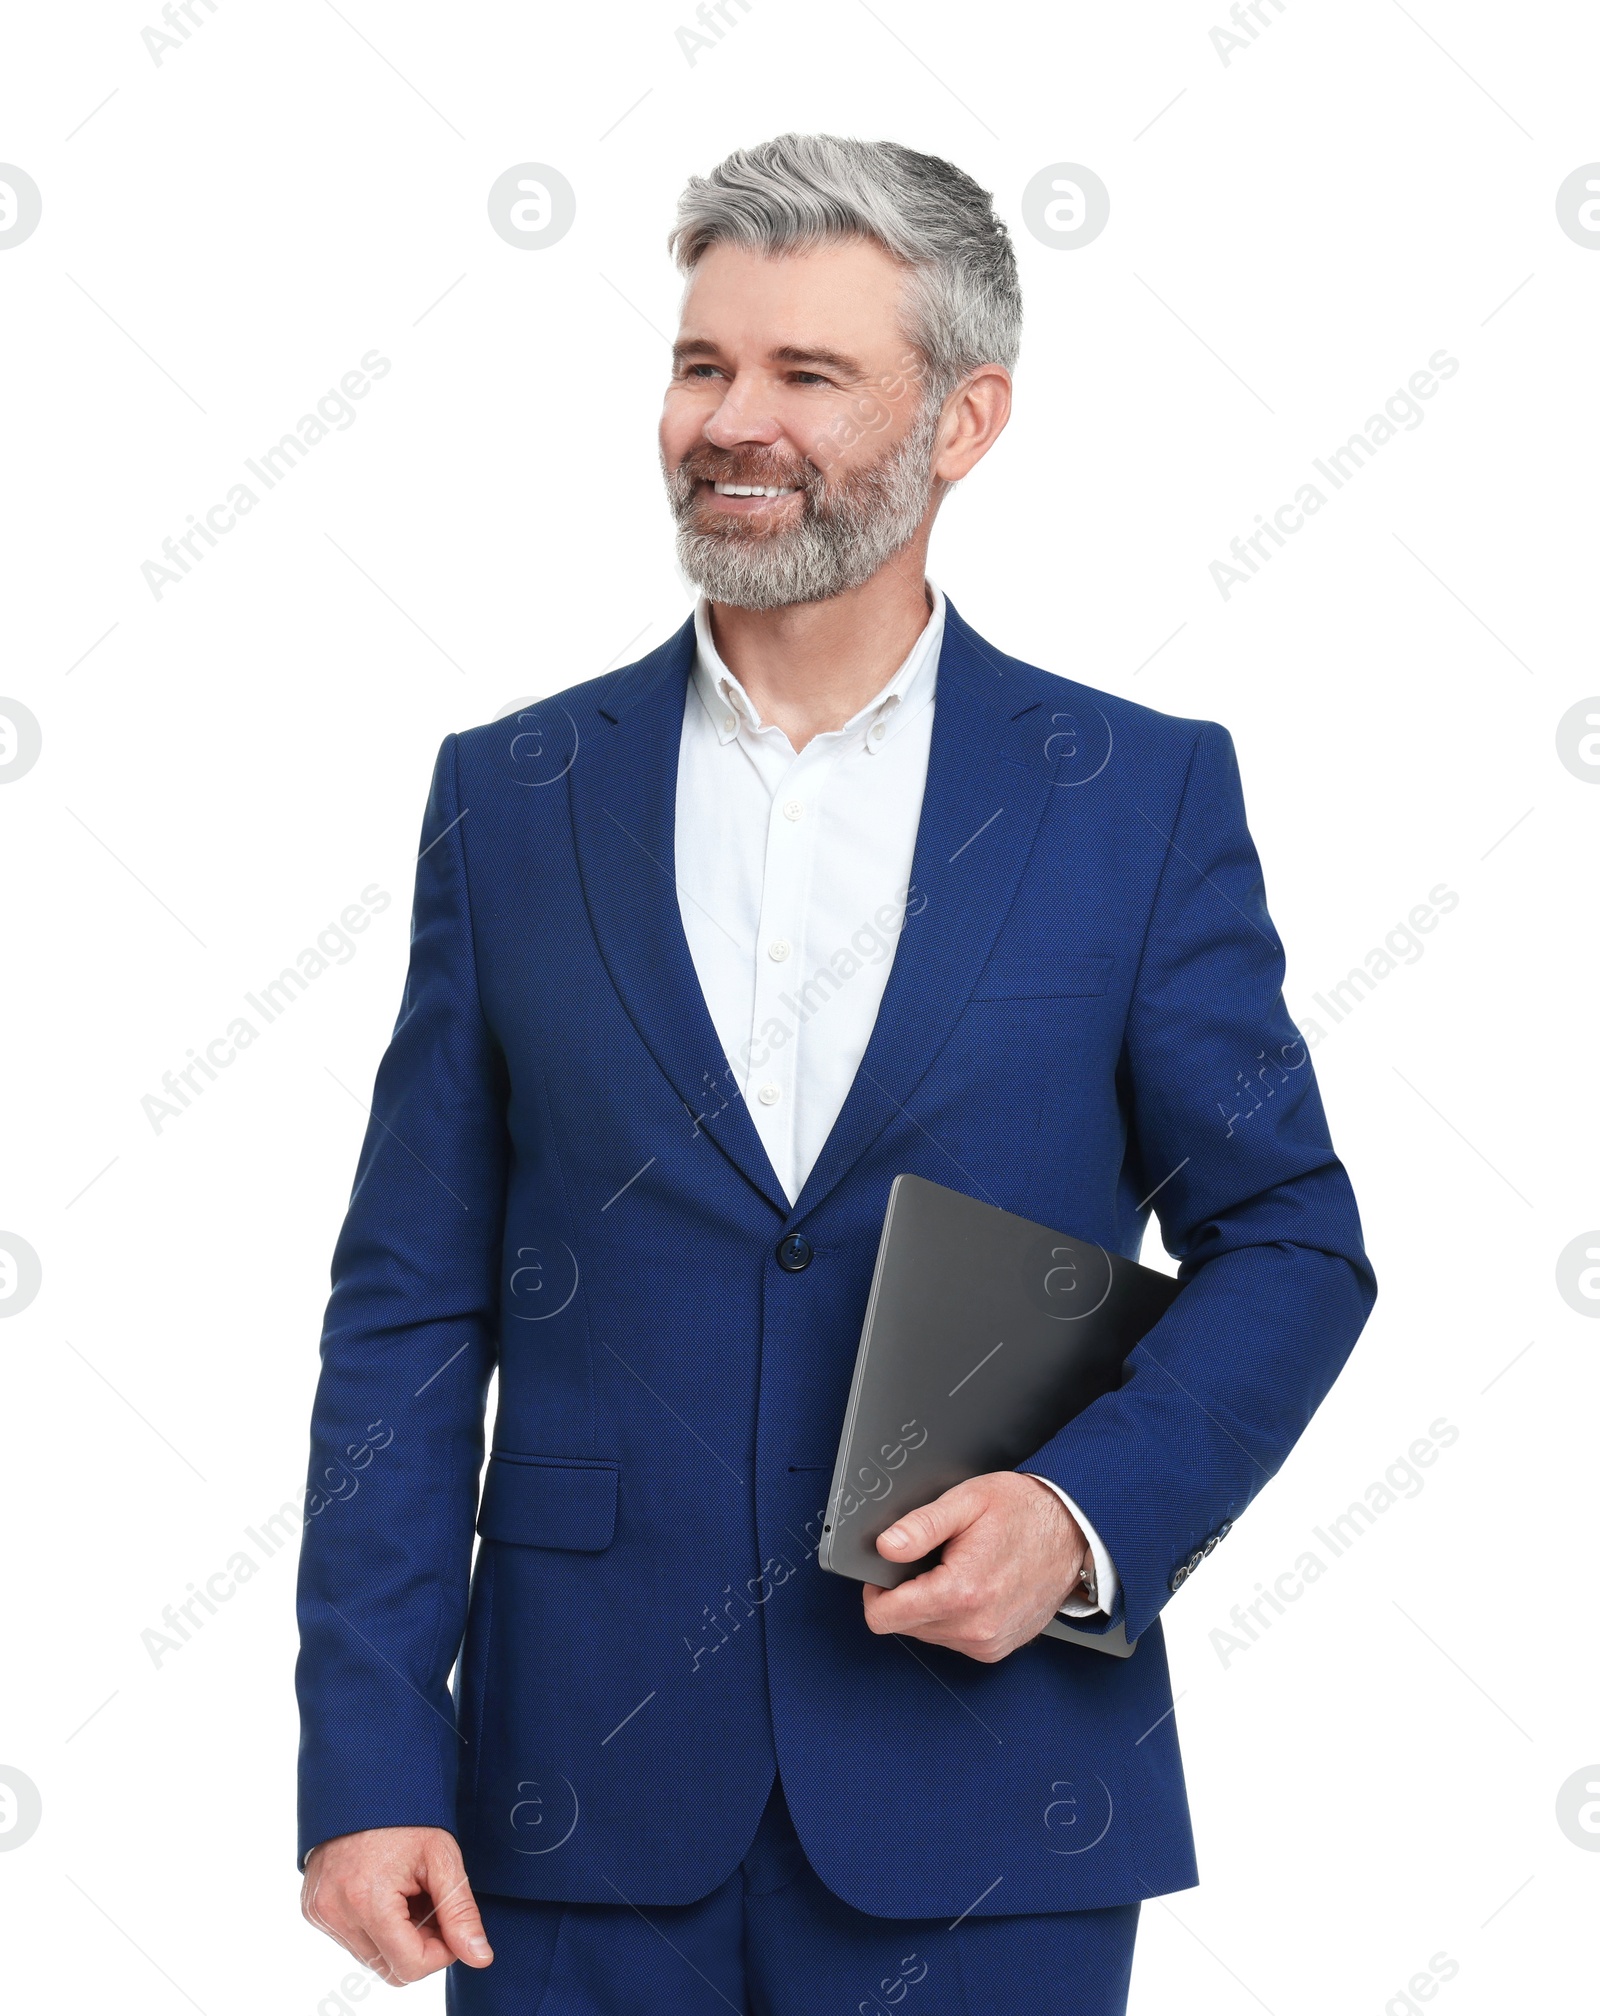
{"x":361,"y":1948}
{"x":409,"y":1951}
{"x":455,"y":1910}
{"x":926,"y":1599}
{"x":961,"y":1619}
{"x":919,"y":1532}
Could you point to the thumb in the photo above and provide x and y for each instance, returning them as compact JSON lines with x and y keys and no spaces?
{"x":919,"y":1532}
{"x":455,"y":1911}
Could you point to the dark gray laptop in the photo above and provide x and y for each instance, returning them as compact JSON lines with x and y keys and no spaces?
{"x":984,"y":1334}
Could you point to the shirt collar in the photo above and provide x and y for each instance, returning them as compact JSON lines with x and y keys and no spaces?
{"x":730,"y":707}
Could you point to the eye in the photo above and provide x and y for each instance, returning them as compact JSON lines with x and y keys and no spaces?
{"x":810,"y":378}
{"x":696,"y":370}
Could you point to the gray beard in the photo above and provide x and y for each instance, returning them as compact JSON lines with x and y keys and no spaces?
{"x":847,"y":530}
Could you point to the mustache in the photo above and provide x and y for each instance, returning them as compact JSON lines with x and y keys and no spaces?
{"x":707,"y":464}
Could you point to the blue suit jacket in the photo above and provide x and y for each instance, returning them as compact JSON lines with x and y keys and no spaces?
{"x":560,"y":1183}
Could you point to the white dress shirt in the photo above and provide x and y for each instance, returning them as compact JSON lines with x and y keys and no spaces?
{"x":793,"y":875}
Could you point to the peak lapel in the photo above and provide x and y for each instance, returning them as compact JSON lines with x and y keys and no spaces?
{"x":624,"y":804}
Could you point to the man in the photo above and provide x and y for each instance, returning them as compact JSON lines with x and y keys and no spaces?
{"x":705,"y":952}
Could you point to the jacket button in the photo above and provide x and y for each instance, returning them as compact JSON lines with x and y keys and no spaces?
{"x":1180,"y":1575}
{"x":794,"y":1254}
{"x":1224,"y":1529}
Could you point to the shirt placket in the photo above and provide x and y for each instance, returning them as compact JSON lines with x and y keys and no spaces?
{"x":780,"y":953}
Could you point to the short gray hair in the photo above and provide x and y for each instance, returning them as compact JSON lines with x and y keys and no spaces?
{"x":804,"y":188}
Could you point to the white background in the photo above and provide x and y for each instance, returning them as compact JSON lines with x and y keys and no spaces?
{"x":226,"y":768}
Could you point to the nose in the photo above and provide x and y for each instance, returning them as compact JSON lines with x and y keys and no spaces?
{"x":743,"y":417}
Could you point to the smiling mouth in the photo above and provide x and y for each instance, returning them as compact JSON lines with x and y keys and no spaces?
{"x":763,"y":491}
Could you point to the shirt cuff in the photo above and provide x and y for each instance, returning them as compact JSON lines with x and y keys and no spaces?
{"x":1105,"y":1573}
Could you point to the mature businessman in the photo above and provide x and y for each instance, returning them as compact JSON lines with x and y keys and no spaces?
{"x":705,"y":952}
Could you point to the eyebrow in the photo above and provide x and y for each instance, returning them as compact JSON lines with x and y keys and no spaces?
{"x":788,"y":353}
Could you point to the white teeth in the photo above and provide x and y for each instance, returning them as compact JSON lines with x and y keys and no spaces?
{"x":752,"y":490}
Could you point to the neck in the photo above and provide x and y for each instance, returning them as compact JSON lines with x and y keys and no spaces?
{"x":810,"y":667}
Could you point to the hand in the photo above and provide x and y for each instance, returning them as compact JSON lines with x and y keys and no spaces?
{"x":1011,"y":1559}
{"x":398,"y":1899}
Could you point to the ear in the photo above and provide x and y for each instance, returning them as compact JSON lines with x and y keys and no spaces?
{"x":974,"y":417}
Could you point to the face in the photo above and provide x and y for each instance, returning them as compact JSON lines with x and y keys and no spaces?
{"x":796,"y":442}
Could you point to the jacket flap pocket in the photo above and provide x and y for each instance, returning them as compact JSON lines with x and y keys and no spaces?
{"x":548,"y":1501}
{"x":1019,"y":976}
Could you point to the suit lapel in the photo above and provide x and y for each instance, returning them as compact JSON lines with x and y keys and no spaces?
{"x":990,"y":772}
{"x":990,"y":767}
{"x":624,"y":805}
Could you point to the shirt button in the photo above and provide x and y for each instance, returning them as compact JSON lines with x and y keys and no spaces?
{"x":728,"y":722}
{"x":877,"y":731}
{"x":794,"y":809}
{"x":794,"y":1253}
{"x":769,"y":1095}
{"x":780,"y":948}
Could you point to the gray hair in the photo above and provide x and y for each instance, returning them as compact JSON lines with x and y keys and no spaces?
{"x":804,"y":188}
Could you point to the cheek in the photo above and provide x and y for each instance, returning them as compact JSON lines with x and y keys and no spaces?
{"x":840,"y":442}
{"x":683,"y":418}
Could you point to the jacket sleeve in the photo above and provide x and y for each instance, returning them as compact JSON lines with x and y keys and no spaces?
{"x":407,"y":1348}
{"x":1226,"y":1130}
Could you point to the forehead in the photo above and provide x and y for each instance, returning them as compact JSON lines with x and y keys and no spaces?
{"x":844,"y":295}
